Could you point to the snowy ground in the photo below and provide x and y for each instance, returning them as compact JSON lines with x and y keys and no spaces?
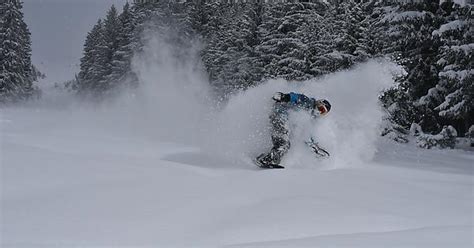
{"x":162,"y":167}
{"x":63,"y":188}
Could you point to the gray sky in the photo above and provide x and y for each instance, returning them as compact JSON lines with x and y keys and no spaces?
{"x":59,"y":28}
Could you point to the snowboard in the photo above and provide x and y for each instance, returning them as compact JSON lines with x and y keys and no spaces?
{"x":318,"y":150}
{"x":311,"y":143}
{"x":267,"y":166}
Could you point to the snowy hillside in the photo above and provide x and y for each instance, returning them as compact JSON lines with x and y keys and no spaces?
{"x":158,"y":172}
{"x":82,"y":189}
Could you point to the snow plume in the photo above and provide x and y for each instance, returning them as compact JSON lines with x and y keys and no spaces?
{"x":173,"y":98}
{"x":173,"y":103}
{"x":349,"y":132}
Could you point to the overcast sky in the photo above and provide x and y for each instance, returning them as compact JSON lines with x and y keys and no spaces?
{"x":58,"y":30}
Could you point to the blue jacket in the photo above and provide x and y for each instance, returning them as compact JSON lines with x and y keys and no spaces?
{"x":297,"y":101}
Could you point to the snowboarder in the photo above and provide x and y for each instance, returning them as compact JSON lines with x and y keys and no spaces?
{"x":280,"y":127}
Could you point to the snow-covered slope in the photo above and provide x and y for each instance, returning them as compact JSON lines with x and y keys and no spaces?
{"x":63,"y":187}
{"x":163,"y":168}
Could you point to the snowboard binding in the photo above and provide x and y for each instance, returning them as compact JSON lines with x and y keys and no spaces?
{"x":260,"y":162}
{"x":318,"y":150}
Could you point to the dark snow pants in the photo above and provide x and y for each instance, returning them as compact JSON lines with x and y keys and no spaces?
{"x":280,"y":134}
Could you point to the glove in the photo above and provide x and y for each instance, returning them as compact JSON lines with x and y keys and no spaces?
{"x":281,"y":97}
{"x":277,"y":97}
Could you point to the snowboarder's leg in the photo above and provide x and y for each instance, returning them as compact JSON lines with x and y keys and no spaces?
{"x":280,"y":139}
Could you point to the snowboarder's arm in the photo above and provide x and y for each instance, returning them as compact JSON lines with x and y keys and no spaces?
{"x":302,"y":101}
{"x":315,"y":107}
{"x":298,"y":100}
{"x":281,"y":97}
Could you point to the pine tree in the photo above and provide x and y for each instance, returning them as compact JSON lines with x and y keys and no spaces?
{"x":206,"y":17}
{"x":110,"y":35}
{"x":92,"y":61}
{"x":16,"y":75}
{"x":230,"y":55}
{"x":356,"y":34}
{"x":122,"y":57}
{"x":320,"y":36}
{"x":345,"y":25}
{"x":335,"y":36}
{"x":293,"y":63}
{"x":142,"y":11}
{"x":176,"y":28}
{"x":221,"y":49}
{"x":453,"y":96}
{"x":379,"y":28}
{"x":282,"y":48}
{"x":249,"y":66}
{"x":97,"y":63}
{"x":409,"y":41}
{"x":246,"y":43}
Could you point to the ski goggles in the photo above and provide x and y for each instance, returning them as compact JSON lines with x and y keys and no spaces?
{"x":321,"y":108}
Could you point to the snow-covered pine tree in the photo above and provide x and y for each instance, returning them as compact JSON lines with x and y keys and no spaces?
{"x":409,"y":41}
{"x":111,"y":43}
{"x":92,"y":61}
{"x":282,"y":49}
{"x":358,"y":29}
{"x":320,"y":37}
{"x":26,"y":51}
{"x":36,"y":74}
{"x":378,"y":26}
{"x":346,"y":26}
{"x":453,"y":96}
{"x":16,"y":76}
{"x":176,"y":27}
{"x":446,"y":138}
{"x":150,"y":15}
{"x":142,"y":12}
{"x":220,"y":50}
{"x":339,"y":38}
{"x":205,"y":16}
{"x":122,"y":57}
{"x":230,"y":55}
{"x":95,"y":76}
{"x":249,"y":65}
{"x":269,"y":50}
